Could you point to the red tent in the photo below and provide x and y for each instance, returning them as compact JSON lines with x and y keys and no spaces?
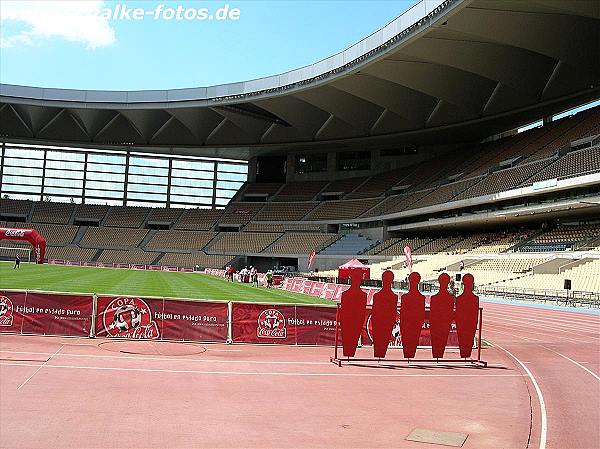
{"x":354,"y":264}
{"x":37,"y":241}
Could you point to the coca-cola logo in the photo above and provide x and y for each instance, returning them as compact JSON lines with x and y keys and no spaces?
{"x":6,"y":311}
{"x":271,"y":324}
{"x":14,"y":233}
{"x":126,"y":317}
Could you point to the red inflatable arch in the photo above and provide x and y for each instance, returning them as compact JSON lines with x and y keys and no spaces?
{"x":31,"y":235}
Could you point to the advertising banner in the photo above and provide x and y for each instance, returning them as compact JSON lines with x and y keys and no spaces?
{"x":52,"y":314}
{"x":315,"y":325}
{"x":12,"y":305}
{"x":194,"y":321}
{"x":128,"y":317}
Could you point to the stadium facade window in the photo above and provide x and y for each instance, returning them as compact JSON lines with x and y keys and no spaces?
{"x":311,"y":163}
{"x":117,"y":178}
{"x":353,"y":160}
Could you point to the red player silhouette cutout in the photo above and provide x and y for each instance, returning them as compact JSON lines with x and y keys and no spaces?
{"x":441,"y":314}
{"x":352,"y":313}
{"x":383,"y":316}
{"x":467,"y":309}
{"x":412,"y":316}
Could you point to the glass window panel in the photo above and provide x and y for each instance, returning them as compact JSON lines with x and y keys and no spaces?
{"x":20,"y":196}
{"x":64,"y":174}
{"x":148,"y":171}
{"x":146,"y":196}
{"x":147,"y":179}
{"x":191,"y":182}
{"x":106,"y":158}
{"x":148,"y":162}
{"x":232,"y":176}
{"x":104,"y":185}
{"x":21,"y":188}
{"x":222,"y":201}
{"x":190,"y":199}
{"x":65,"y":156}
{"x":228,"y":185}
{"x":188,"y":206}
{"x":23,"y":152}
{"x":105,"y":168}
{"x":193,"y":165}
{"x":150,"y":188}
{"x":225,"y":193}
{"x":103,"y":201}
{"x":9,"y":179}
{"x":64,"y":182}
{"x":61,"y":191}
{"x":180,"y":173}
{"x":103,"y":193}
{"x":146,"y":204}
{"x":65,"y":165}
{"x":235,"y":168}
{"x":23,"y":162}
{"x":113,"y":177}
{"x":23,"y":171}
{"x":190,"y":191}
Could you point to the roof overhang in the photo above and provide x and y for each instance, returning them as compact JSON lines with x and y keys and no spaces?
{"x":445,"y":70}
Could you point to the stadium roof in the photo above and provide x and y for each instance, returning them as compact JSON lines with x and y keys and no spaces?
{"x":445,"y":70}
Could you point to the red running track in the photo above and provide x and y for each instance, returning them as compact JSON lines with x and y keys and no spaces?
{"x":81,"y":393}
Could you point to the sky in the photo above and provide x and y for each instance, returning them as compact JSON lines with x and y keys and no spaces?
{"x":172,"y":44}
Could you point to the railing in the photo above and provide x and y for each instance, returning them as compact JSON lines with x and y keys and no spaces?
{"x":564,"y":297}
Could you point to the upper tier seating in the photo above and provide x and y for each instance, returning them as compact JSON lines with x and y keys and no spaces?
{"x":164,"y":215}
{"x":52,"y":212}
{"x":572,"y":164}
{"x":344,"y":186}
{"x":53,"y":233}
{"x":20,"y":208}
{"x":339,"y":210}
{"x":378,"y":184}
{"x":240,"y":213}
{"x":281,"y":227}
{"x":301,"y":243}
{"x":242,"y":242}
{"x":300,"y":191}
{"x":397,"y":203}
{"x":445,"y":193}
{"x":126,"y":217}
{"x":112,"y":237}
{"x":266,"y":189}
{"x":91,"y":212}
{"x":186,"y":240}
{"x":198,"y":219}
{"x":284,"y":211}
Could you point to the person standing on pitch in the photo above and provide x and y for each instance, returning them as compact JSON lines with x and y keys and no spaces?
{"x":17,"y":262}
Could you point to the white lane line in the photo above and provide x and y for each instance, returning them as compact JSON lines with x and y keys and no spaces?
{"x":520,"y":329}
{"x":573,"y":361}
{"x":41,"y":366}
{"x":545,"y":323}
{"x":573,"y":319}
{"x":171,"y":359}
{"x":249,"y":373}
{"x":544,"y":418}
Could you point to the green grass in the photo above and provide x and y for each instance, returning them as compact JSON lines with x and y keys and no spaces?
{"x":57,"y":278}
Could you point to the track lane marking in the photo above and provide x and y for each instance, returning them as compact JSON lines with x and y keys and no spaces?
{"x":530,"y":322}
{"x":542,"y":403}
{"x":40,"y":367}
{"x":250,"y":373}
{"x":519,"y":329}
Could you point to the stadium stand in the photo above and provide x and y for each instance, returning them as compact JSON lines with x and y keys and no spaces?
{"x":198,"y":219}
{"x":53,"y":233}
{"x":377,"y":185}
{"x":576,"y":163}
{"x":242,"y":242}
{"x":281,"y":227}
{"x":112,"y":237}
{"x":497,"y":270}
{"x":299,"y":191}
{"x":91,"y":212}
{"x":396,"y":203}
{"x":52,"y":212}
{"x":445,"y":193}
{"x":240,"y":213}
{"x":184,"y":240}
{"x":284,"y":211}
{"x":340,"y":210}
{"x":72,"y":253}
{"x":164,"y":215}
{"x":264,"y":190}
{"x":301,"y":243}
{"x":128,"y":256}
{"x":343,"y":186}
{"x":196,"y":258}
{"x":126,"y":217}
{"x":15,"y":208}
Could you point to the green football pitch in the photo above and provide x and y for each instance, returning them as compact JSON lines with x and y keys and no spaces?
{"x":57,"y":278}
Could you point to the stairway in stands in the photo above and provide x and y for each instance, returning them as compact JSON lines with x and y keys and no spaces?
{"x":349,"y":244}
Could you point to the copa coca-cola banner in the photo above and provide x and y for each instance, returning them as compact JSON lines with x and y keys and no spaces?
{"x":167,"y":319}
{"x":45,"y":314}
{"x":278,"y":324}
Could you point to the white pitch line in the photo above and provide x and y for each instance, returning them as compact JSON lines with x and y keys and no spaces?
{"x":544,"y":418}
{"x":41,"y":366}
{"x":249,"y":373}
